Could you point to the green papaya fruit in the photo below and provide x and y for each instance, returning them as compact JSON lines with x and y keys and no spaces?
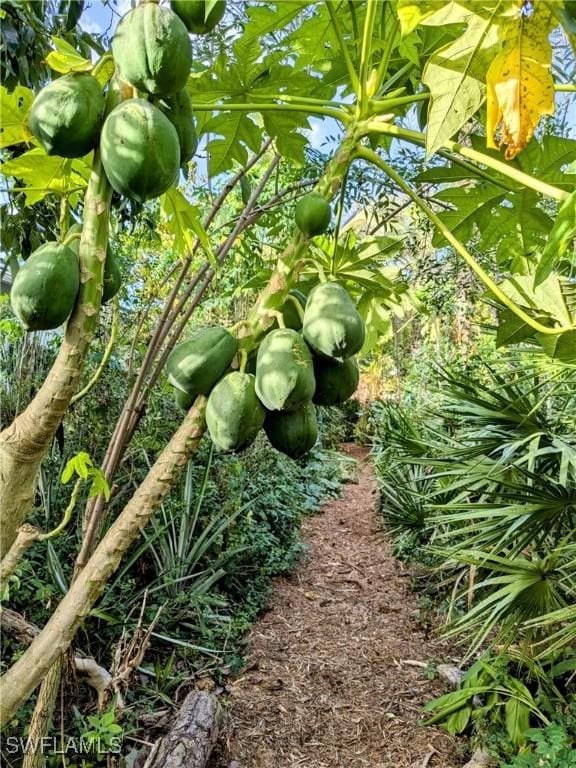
{"x":289,"y":310}
{"x":313,"y":214}
{"x":234,"y":415}
{"x":140,"y":151}
{"x":195,"y":365}
{"x":198,"y":16}
{"x":152,"y":50}
{"x":335,"y":382}
{"x":178,"y":109}
{"x":112,"y":280}
{"x":66,"y":116}
{"x":45,"y":289}
{"x":183,"y":399}
{"x":332,"y":324}
{"x":284,"y":371}
{"x":293,"y":432}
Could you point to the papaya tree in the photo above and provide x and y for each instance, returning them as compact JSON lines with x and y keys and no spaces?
{"x":467,"y":83}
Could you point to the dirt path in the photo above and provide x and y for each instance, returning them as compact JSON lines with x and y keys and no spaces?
{"x":331,"y":679}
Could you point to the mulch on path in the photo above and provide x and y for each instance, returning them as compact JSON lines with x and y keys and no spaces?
{"x":334,"y":675}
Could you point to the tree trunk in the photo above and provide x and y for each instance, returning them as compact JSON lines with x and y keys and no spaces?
{"x":190,"y":741}
{"x":27,"y":440}
{"x":21,"y":679}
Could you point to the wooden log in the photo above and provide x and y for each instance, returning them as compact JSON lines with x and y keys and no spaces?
{"x":191,"y":739}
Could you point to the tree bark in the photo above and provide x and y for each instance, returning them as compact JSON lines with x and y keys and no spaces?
{"x":192,"y":737}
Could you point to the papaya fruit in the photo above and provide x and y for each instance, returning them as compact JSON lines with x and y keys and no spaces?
{"x":140,"y":151}
{"x":292,"y":432}
{"x":234,"y":415}
{"x":313,"y":214}
{"x":178,"y":109}
{"x":45,"y":289}
{"x":152,"y":50}
{"x":195,"y":365}
{"x":66,"y":115}
{"x":198,"y":16}
{"x":112,"y":280}
{"x":290,"y":313}
{"x":284,"y":371}
{"x":332,"y":324}
{"x":335,"y":382}
{"x":183,"y":399}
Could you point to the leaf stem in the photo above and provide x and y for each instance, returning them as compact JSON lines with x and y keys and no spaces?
{"x":365,"y":55}
{"x":337,"y":114}
{"x":479,"y":157}
{"x":375,"y":159}
{"x":390,"y":40}
{"x":345,"y":52}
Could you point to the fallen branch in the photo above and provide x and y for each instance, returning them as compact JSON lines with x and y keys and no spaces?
{"x":192,"y":737}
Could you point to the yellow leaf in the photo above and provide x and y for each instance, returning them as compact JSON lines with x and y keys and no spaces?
{"x":13,"y":110}
{"x":520,"y":88}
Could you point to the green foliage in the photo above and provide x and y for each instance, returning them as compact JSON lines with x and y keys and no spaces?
{"x":82,"y":465}
{"x":550,"y":747}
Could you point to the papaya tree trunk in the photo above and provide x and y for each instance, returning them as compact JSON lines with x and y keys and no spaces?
{"x":26,"y":441}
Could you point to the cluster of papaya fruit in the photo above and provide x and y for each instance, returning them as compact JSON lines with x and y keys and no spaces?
{"x":307,"y":361}
{"x":143,"y":140}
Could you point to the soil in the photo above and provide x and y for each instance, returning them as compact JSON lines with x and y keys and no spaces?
{"x":337,"y":671}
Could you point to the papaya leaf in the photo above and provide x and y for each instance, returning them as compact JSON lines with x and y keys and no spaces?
{"x":561,"y":347}
{"x":284,"y":128}
{"x":519,"y":81}
{"x":43,"y":175}
{"x":455,"y":73}
{"x":183,"y":220}
{"x":562,"y":235}
{"x":238,"y":133}
{"x":77,"y":465}
{"x":411,"y":13}
{"x":548,"y":297}
{"x":66,"y":58}
{"x":511,"y":329}
{"x":13,"y":110}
